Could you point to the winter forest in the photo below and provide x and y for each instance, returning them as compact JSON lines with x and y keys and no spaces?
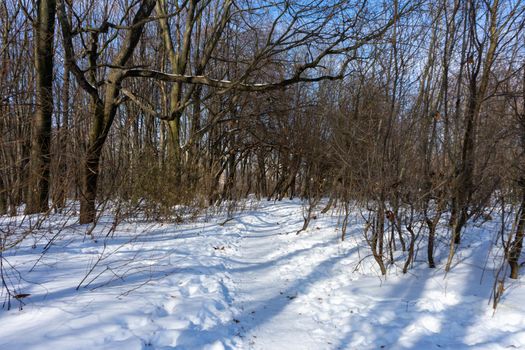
{"x":262,"y":174}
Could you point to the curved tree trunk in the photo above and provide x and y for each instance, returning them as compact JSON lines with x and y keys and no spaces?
{"x":105,"y":108}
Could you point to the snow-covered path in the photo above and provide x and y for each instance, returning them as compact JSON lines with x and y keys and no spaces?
{"x":264,"y":290}
{"x":252,"y":283}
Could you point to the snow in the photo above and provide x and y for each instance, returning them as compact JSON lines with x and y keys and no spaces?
{"x":252,"y":283}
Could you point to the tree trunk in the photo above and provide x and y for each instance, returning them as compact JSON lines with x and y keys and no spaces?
{"x":464,"y":184}
{"x":516,"y":247}
{"x":38,"y":194}
{"x":262,"y":186}
{"x":3,"y":197}
{"x":63,"y":183}
{"x":430,"y":246}
{"x":174,"y":150}
{"x":97,"y":138}
{"x":376,"y":242}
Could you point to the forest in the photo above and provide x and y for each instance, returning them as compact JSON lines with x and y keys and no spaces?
{"x":406,"y":115}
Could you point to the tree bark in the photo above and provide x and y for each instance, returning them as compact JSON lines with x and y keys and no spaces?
{"x":517,"y":244}
{"x":97,"y":138}
{"x":39,"y":179}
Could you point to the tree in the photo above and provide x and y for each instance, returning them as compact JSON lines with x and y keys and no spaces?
{"x":39,"y":179}
{"x":104,"y":93}
{"x":517,"y":244}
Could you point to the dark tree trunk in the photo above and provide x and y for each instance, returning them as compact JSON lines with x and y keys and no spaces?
{"x":89,"y":187}
{"x":3,"y":197}
{"x":431,"y":239}
{"x":97,"y":137}
{"x":517,"y":244}
{"x":464,"y":181}
{"x":262,"y":187}
{"x":38,"y":194}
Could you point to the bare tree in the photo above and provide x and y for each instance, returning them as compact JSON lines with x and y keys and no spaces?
{"x":38,"y":194}
{"x":105,"y":93}
{"x":517,"y":244}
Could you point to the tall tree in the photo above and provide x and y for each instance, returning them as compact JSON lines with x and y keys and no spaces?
{"x":38,"y":194}
{"x":517,"y":243}
{"x":105,"y":94}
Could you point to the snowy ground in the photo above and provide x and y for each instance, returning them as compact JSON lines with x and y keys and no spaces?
{"x":253,"y":284}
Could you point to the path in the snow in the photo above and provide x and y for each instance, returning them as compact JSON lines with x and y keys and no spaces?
{"x":272,"y":279}
{"x":263,"y":293}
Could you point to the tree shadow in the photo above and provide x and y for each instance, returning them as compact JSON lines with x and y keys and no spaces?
{"x":266,"y":309}
{"x":429,"y":310}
